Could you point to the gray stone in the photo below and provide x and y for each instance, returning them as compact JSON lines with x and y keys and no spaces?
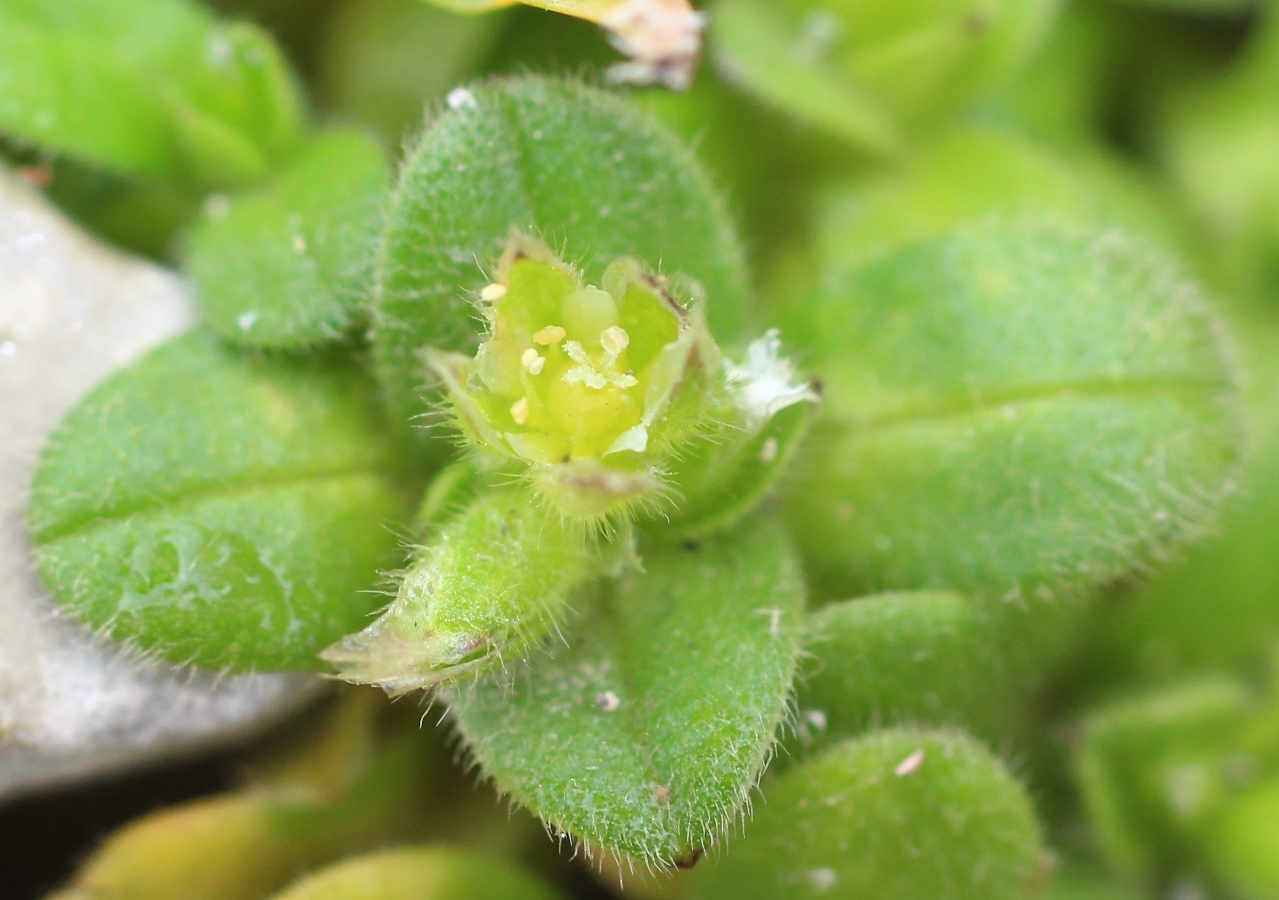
{"x":73,"y":706}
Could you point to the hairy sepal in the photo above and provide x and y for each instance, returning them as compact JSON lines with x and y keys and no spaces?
{"x":495,"y":579}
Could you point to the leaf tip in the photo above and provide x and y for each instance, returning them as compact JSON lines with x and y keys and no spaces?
{"x":382,"y":657}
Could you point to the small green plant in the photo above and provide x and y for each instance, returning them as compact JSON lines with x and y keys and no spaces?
{"x":661,"y":525}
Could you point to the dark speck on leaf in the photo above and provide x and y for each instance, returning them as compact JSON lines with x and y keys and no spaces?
{"x":687,"y":862}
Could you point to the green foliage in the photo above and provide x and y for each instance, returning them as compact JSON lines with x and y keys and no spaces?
{"x":1216,"y":139}
{"x":964,"y":174}
{"x":965,"y":379}
{"x":138,"y":215}
{"x":912,"y":815}
{"x":723,"y":475}
{"x":1198,"y":6}
{"x":383,"y":62}
{"x":1060,"y":95}
{"x":1164,"y":629}
{"x":1181,"y":783}
{"x":584,"y":171}
{"x":463,"y":605}
{"x":973,"y":172}
{"x":924,"y":657}
{"x":1025,"y":409}
{"x":646,"y":733}
{"x":427,"y":873}
{"x":291,"y":265}
{"x":1153,"y":772}
{"x":1245,"y":843}
{"x":157,"y":89}
{"x":220,"y":510}
{"x":872,"y":72}
{"x":1077,"y":884}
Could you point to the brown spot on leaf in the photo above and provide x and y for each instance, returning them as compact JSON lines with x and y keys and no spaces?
{"x":689,"y":860}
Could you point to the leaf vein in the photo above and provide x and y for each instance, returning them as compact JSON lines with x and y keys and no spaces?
{"x":221,"y":490}
{"x":978,"y":404}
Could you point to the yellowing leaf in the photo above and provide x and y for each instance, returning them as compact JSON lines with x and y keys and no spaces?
{"x":662,"y":38}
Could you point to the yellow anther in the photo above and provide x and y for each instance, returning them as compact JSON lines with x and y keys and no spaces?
{"x":551,"y":334}
{"x":493,"y":293}
{"x":614,"y":340}
{"x":519,"y":411}
{"x":533,"y":361}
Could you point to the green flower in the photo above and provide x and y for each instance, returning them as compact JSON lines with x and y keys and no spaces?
{"x":590,"y":388}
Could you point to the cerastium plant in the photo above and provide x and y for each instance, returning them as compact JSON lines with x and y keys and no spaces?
{"x":653,"y":534}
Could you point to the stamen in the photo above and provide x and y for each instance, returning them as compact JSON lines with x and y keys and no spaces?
{"x":533,"y":361}
{"x":493,"y":293}
{"x":551,"y":334}
{"x":614,"y":340}
{"x":519,"y":411}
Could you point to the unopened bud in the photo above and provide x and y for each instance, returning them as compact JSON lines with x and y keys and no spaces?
{"x":465,"y":603}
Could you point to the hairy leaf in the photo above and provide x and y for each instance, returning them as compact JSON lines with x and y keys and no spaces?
{"x":1022,"y":407}
{"x":585,"y":170}
{"x":1216,"y":607}
{"x":645,"y":735}
{"x":926,"y":658}
{"x":911,"y":815}
{"x":290,"y":266}
{"x":226,"y":511}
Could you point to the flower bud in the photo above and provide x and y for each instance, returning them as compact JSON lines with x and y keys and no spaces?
{"x":495,"y":579}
